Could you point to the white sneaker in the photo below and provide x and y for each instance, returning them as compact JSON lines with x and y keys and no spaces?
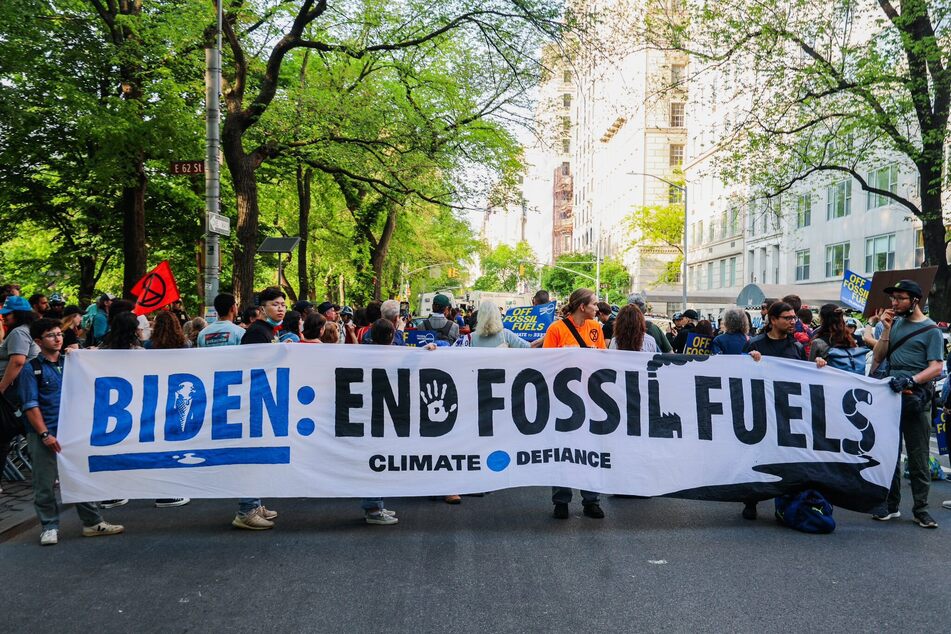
{"x":49,"y":537}
{"x":381,"y":518}
{"x":946,"y":504}
{"x":253,"y":520}
{"x":102,"y":528}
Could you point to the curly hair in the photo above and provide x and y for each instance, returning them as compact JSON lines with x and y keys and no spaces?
{"x":167,"y":332}
{"x":630,"y":328}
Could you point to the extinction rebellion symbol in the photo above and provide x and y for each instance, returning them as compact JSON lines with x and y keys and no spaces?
{"x":153,"y":291}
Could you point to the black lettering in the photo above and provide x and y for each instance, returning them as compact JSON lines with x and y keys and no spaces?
{"x":820,"y":442}
{"x":377,"y":463}
{"x":443,"y":464}
{"x":519,"y":414}
{"x":632,"y":386}
{"x":564,"y":394}
{"x":396,"y":404}
{"x":345,"y":400}
{"x":522,"y":458}
{"x":786,"y":413}
{"x":605,"y":461}
{"x":446,"y":389}
{"x":660,"y":425}
{"x":536,"y":456}
{"x":581,"y":457}
{"x":850,"y":401}
{"x":487,"y":402}
{"x":737,"y":404}
{"x":421,"y":463}
{"x":705,"y":408}
{"x":593,"y":458}
{"x":612,"y":412}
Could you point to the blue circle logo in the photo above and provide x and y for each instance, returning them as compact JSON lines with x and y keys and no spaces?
{"x":498,"y":460}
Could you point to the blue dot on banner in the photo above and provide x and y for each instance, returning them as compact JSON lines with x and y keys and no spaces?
{"x":306,"y":395}
{"x":306,"y":426}
{"x":498,"y":460}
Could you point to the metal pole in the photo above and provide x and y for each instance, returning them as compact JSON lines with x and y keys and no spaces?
{"x":684,"y":280}
{"x":212,"y":165}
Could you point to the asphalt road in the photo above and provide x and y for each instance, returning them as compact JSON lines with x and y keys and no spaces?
{"x":494,"y":564}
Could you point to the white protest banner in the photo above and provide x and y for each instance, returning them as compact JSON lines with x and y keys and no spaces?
{"x":365,"y":421}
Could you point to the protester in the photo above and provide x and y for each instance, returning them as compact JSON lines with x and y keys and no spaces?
{"x":489,"y":331}
{"x":630,"y":331}
{"x":329,"y":311}
{"x":178,"y":310}
{"x":349,"y":328}
{"x":39,"y":304}
{"x":577,"y":328}
{"x":290,"y":329}
{"x":677,"y":321}
{"x":166,"y":333}
{"x":313,"y":328}
{"x":439,"y":323}
{"x":223,"y":332}
{"x":833,"y":342}
{"x":690,"y":317}
{"x":735,"y":323}
{"x":249,"y":315}
{"x":99,"y":320}
{"x":304,"y":307}
{"x":390,"y":311}
{"x":57,"y":306}
{"x":252,"y":514}
{"x":373,"y":312}
{"x":16,"y":350}
{"x":705,"y":329}
{"x":913,"y":348}
{"x":639,"y":300}
{"x":191,"y":330}
{"x":540,"y":298}
{"x":39,"y":390}
{"x":606,"y":316}
{"x":777,"y":341}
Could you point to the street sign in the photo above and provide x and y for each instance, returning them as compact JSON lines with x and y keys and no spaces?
{"x":187,"y":168}
{"x":219,"y":224}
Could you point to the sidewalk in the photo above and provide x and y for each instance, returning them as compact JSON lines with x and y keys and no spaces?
{"x":16,"y":506}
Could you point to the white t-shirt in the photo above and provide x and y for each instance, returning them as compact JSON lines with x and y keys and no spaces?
{"x":649,"y":344}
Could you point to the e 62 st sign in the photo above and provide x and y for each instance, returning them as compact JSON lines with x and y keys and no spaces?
{"x":187,"y":167}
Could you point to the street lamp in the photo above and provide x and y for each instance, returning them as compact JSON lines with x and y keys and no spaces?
{"x":683,"y":190}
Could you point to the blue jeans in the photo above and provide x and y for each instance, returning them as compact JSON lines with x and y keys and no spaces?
{"x":562,"y":495}
{"x":246,"y":505}
{"x":371,"y":505}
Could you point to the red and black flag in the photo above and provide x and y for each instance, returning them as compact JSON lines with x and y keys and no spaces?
{"x":156,"y":289}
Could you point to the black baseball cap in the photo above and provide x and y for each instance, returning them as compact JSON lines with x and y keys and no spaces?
{"x":906,"y":286}
{"x":323,"y":307}
{"x":303,"y":306}
{"x":691,"y":314}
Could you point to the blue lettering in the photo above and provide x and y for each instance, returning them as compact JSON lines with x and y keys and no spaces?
{"x":223,"y":403}
{"x":104,"y":410}
{"x":184,"y":407}
{"x":276,"y":403}
{"x":149,"y":405}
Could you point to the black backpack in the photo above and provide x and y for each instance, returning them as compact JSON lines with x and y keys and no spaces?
{"x":442,"y":334}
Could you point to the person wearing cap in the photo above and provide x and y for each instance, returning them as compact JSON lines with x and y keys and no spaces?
{"x":439,"y":322}
{"x":349,"y":328}
{"x":329,"y":311}
{"x":663,"y":344}
{"x":677,"y":321}
{"x":680,"y":341}
{"x":99,"y":324}
{"x":57,"y":303}
{"x":304,"y":308}
{"x":914,"y":349}
{"x":16,"y":350}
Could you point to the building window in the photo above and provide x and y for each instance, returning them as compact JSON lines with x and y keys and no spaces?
{"x":565,"y":146}
{"x":880,"y":253}
{"x":722,"y":274}
{"x":709,"y":275}
{"x":674,"y":195}
{"x":919,"y":248}
{"x":837,"y":259}
{"x":885,"y":178}
{"x":699,"y":228}
{"x":676,"y":154}
{"x":566,"y":100}
{"x":566,"y":168}
{"x":802,"y":265}
{"x":732,"y":270}
{"x":734,"y":222}
{"x":566,"y":76}
{"x":839,"y":199}
{"x":677,"y":74}
{"x":711,"y":231}
{"x":677,"y":115}
{"x":803,"y":211}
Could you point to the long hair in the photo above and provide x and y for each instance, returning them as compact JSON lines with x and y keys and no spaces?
{"x":704,"y":327}
{"x":313,"y":326}
{"x":576,"y":300}
{"x":167,"y":332}
{"x":123,"y":334}
{"x":629,"y":328}
{"x":490,"y":319}
{"x":832,"y":327}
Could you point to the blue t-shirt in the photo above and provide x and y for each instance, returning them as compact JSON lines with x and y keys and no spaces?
{"x":42,"y":391}
{"x":220,"y":333}
{"x":729,"y":343}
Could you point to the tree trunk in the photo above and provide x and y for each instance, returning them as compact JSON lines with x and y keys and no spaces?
{"x":87,"y":279}
{"x":378,"y":255}
{"x":133,"y":229}
{"x":245,"y":185}
{"x":304,"y":178}
{"x":939,"y":301}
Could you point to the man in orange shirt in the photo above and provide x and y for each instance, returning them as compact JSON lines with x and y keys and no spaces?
{"x":578,"y":329}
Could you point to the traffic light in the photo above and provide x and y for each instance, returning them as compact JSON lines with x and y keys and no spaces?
{"x":521,"y":270}
{"x":451,"y":272}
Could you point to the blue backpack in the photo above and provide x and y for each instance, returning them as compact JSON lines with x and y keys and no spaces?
{"x":848,"y":359}
{"x":806,"y":511}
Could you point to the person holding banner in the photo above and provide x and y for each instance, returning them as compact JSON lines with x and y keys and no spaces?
{"x":577,"y":329}
{"x":913,"y":348}
{"x":39,"y":388}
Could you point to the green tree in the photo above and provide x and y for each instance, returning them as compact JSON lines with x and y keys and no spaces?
{"x":577,"y":270}
{"x":505,"y":266}
{"x":661,"y":225}
{"x":835,"y":90}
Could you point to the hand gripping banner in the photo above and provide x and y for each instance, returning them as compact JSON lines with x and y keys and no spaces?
{"x":366,"y":421}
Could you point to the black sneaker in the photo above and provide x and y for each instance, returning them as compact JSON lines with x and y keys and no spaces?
{"x":169,"y":502}
{"x":110,"y":504}
{"x":925,"y":520}
{"x":884,"y":515}
{"x":561,"y":512}
{"x":594,"y":511}
{"x":749,"y":511}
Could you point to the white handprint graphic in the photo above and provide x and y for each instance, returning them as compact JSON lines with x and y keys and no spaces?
{"x":434,"y":401}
